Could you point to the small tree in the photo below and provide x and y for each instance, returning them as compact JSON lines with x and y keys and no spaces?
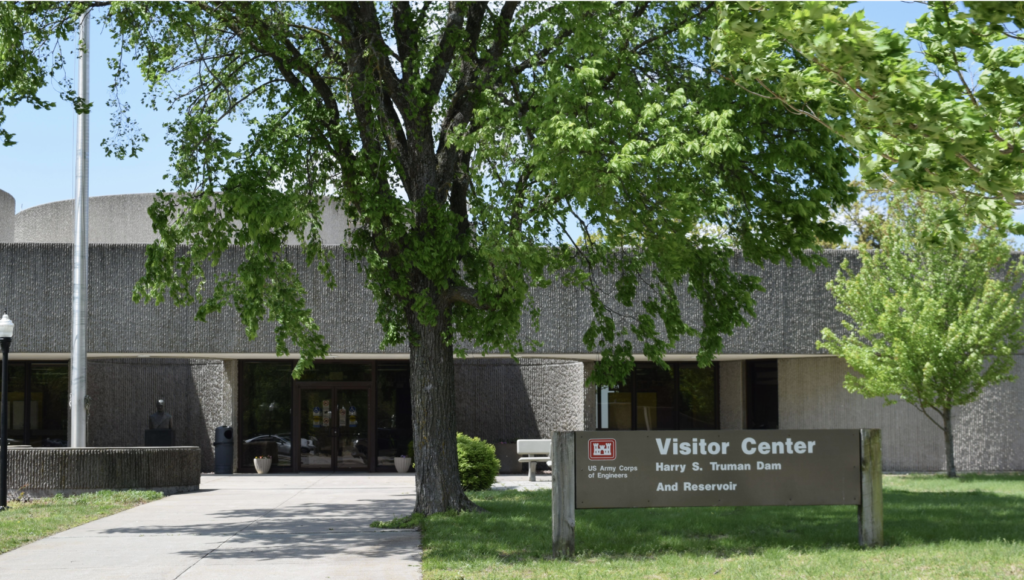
{"x":932,"y":321}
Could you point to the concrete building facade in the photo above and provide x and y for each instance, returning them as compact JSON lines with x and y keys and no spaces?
{"x":769,"y":374}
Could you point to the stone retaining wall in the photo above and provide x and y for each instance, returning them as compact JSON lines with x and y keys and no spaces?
{"x":44,"y":472}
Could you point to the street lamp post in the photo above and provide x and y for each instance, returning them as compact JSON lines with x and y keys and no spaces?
{"x":6,"y":333}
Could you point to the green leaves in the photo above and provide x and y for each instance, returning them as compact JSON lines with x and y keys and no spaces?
{"x":946,"y":122}
{"x":469,"y":145}
{"x":931,"y":321}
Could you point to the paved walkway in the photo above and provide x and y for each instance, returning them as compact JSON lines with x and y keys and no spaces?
{"x":240,"y":526}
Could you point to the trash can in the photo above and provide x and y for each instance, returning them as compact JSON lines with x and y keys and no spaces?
{"x":224,"y":450}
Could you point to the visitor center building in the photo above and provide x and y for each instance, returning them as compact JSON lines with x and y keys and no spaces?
{"x":353,"y":411}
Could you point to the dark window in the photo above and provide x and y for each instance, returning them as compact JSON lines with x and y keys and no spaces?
{"x":394,"y":412}
{"x":655,"y":397}
{"x":267,"y":412}
{"x":698,"y":397}
{"x":684,"y":397}
{"x":51,"y":385}
{"x":17,"y":389}
{"x":37,"y":408}
{"x":763,"y":394}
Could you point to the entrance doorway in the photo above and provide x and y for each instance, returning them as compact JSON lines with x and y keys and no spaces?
{"x":276,"y":415}
{"x":336,"y":426}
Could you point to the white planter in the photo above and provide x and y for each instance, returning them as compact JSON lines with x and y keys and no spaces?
{"x":402,"y":464}
{"x":263,"y":464}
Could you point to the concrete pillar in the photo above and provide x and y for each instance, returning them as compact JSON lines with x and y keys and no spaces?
{"x":732,"y":377}
{"x":589,"y":398}
{"x":230,"y":403}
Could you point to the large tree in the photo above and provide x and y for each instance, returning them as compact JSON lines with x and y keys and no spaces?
{"x":936,"y":107}
{"x":469,"y":144}
{"x":931,"y":321}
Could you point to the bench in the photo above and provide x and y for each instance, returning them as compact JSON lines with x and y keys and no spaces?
{"x":535,"y":451}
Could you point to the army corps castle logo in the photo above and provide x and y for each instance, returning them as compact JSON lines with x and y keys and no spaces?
{"x":601,"y":449}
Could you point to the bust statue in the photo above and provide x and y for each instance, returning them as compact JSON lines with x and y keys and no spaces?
{"x":161,"y":420}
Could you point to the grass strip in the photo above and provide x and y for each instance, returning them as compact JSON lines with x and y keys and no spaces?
{"x":934,"y":528}
{"x":25,"y":522}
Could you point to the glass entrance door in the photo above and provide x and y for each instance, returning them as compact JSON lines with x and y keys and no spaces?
{"x":316,"y":434}
{"x":353,"y":416}
{"x":335,"y":427}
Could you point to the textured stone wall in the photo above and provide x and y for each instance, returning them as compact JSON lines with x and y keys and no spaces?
{"x":35,"y":286}
{"x":987,"y":435}
{"x":499,"y":400}
{"x":42,"y":472}
{"x":123,"y":393}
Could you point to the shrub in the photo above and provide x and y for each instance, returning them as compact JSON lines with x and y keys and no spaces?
{"x":478,"y":464}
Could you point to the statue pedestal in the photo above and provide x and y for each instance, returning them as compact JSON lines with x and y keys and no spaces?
{"x":159,"y":438}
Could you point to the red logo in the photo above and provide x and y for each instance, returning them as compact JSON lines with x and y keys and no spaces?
{"x":601,"y":449}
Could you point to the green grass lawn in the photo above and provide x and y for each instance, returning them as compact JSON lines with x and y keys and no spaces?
{"x":934,"y":528}
{"x":27,"y":522}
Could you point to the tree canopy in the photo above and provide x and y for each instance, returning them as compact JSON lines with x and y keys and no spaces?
{"x":946,"y":119}
{"x":462,"y":141}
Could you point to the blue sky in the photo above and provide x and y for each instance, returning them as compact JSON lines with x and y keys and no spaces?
{"x":40,"y":168}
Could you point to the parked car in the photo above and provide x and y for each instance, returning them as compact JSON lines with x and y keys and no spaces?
{"x":284,"y":444}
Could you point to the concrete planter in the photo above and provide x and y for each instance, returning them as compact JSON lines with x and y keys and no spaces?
{"x":262,"y":464}
{"x":402,"y":464}
{"x":46,"y":471}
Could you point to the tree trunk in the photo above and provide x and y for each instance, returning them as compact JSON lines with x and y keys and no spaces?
{"x":432,"y":381}
{"x":947,"y":431}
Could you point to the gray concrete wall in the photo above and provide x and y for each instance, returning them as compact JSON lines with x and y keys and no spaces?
{"x":113,"y":219}
{"x":988,"y":433}
{"x":35,"y":287}
{"x":123,"y":392}
{"x":120,"y":219}
{"x":7,"y":209}
{"x":732,"y":394}
{"x":499,"y":400}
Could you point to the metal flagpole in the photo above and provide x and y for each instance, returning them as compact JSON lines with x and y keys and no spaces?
{"x":80,"y":272}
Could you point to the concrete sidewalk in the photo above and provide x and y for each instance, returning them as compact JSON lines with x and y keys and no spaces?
{"x":240,"y":526}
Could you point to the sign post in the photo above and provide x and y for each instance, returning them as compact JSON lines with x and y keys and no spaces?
{"x":869,"y":512}
{"x":563,"y":493}
{"x":631,"y":469}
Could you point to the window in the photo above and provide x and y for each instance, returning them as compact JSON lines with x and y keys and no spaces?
{"x":394,"y":412}
{"x":684,"y":397}
{"x":698,"y":398}
{"x":763,"y":394}
{"x":267,"y":413}
{"x":37,"y":404}
{"x":615,"y":408}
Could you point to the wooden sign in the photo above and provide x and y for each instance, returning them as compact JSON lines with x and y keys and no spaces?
{"x":623,"y":469}
{"x":629,"y":469}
